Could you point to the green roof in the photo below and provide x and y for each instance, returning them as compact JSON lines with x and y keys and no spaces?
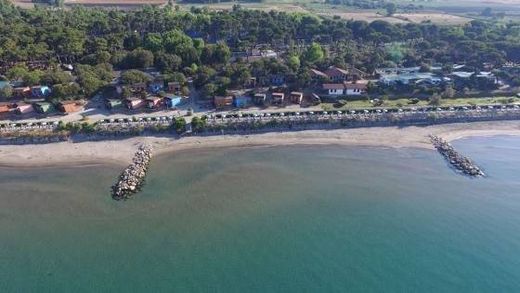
{"x":43,"y":107}
{"x":114,"y":103}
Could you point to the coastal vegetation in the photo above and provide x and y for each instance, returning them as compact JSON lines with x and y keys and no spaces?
{"x":198,"y":44}
{"x":242,"y":123}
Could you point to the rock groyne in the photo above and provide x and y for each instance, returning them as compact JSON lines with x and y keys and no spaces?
{"x":458,"y":161}
{"x":132,"y":178}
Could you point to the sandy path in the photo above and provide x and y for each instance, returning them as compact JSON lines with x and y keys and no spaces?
{"x":121,"y":151}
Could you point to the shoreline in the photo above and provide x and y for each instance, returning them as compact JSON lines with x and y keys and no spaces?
{"x":120,"y":152}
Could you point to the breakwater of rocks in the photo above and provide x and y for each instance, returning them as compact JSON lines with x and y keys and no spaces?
{"x":458,"y":161}
{"x":132,"y":178}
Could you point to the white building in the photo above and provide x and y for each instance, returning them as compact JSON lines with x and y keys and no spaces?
{"x":334,"y":89}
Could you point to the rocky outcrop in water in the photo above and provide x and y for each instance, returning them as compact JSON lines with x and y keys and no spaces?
{"x":132,"y":178}
{"x":458,"y":161}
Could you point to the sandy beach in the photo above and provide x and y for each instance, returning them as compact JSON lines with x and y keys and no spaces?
{"x":121,"y":151}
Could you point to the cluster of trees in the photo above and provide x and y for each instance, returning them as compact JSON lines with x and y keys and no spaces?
{"x":375,"y":4}
{"x":199,"y":44}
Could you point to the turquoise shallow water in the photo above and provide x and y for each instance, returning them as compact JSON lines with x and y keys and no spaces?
{"x":284,"y":219}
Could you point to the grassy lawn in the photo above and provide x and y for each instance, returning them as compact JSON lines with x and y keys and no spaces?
{"x":363,"y":104}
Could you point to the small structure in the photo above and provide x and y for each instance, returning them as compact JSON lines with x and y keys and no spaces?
{"x":318,"y":75}
{"x":113,"y":104}
{"x":241,"y":101}
{"x":42,"y":107}
{"x":223,"y":101}
{"x":40,"y":91}
{"x":156,"y":86}
{"x":259,"y":99}
{"x":296,"y":97}
{"x":334,"y":89}
{"x":356,"y":89}
{"x":251,"y":82}
{"x":277,"y":79}
{"x":68,"y":106}
{"x":315,"y":99}
{"x":356,"y":74}
{"x":154,"y":102}
{"x":174,"y":87}
{"x":134,"y":103}
{"x":172,"y":101}
{"x":277,"y":98}
{"x":21,"y":92}
{"x":336,"y":74}
{"x":23,"y":108}
{"x":138,"y":87}
{"x":5,"y":108}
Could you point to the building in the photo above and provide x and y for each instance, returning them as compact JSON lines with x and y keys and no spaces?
{"x":356,"y":74}
{"x":241,"y":101}
{"x":405,"y":78}
{"x":277,"y":79}
{"x":138,"y":87}
{"x":174,"y":87}
{"x":21,"y":92}
{"x":223,"y":101}
{"x":172,"y":101}
{"x":40,"y":91}
{"x":277,"y":98}
{"x":42,"y":107}
{"x":334,"y":89}
{"x":355,"y":89}
{"x":134,"y":103}
{"x":296,"y":97}
{"x":318,"y":75}
{"x":336,"y":74}
{"x":251,"y":82}
{"x":154,"y":102}
{"x":259,"y":99}
{"x":69,"y":106}
{"x":315,"y":99}
{"x":113,"y":104}
{"x":5,"y":108}
{"x":156,"y":86}
{"x":398,"y":70}
{"x":461,"y":75}
{"x":23,"y":108}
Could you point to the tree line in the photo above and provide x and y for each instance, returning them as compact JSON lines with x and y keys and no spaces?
{"x":200,"y":43}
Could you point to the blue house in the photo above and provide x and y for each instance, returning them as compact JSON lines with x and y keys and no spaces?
{"x":277,"y":79}
{"x":40,"y":91}
{"x":156,"y":86}
{"x":172,"y":101}
{"x":241,"y":101}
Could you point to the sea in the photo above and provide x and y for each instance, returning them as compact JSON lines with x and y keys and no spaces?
{"x":269,"y":219}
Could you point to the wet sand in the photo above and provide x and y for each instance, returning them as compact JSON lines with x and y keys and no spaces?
{"x":121,"y":151}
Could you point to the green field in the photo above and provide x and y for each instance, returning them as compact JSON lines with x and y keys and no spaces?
{"x":437,"y":11}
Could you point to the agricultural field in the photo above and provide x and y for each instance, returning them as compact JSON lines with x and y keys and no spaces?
{"x":24,"y":3}
{"x":123,"y":4}
{"x":115,"y":2}
{"x":444,"y":12}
